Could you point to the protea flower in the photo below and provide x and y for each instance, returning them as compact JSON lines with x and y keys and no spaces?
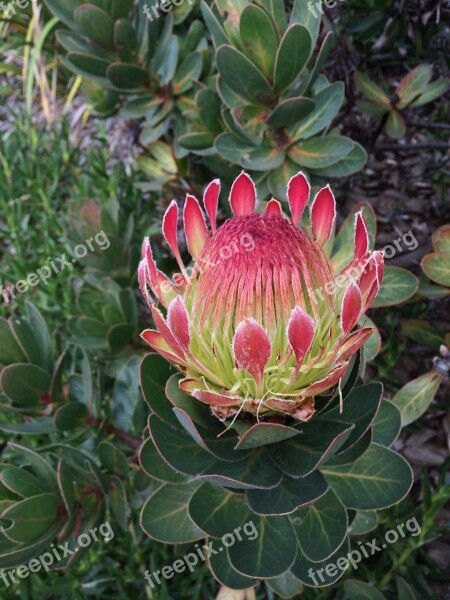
{"x":260,"y":324}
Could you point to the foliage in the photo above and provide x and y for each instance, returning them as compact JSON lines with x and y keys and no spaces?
{"x":414,"y":90}
{"x":229,"y":93}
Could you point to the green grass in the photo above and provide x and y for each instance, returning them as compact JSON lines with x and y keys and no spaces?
{"x":40,"y":173}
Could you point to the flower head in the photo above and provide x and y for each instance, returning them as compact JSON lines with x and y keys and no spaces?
{"x":261,"y":324}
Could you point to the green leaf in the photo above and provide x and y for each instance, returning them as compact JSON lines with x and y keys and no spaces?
{"x":277,"y":11}
{"x":71,"y":416}
{"x":155,"y":372}
{"x":328,"y":102}
{"x":404,"y":590}
{"x":14,"y":555}
{"x":350,"y":164}
{"x":64,"y":10}
{"x":39,"y":465}
{"x":31,"y":518}
{"x":378,"y":479}
{"x":285,"y":585}
{"x":414,"y":84}
{"x":387,"y":424}
{"x":360,"y":407}
{"x":398,"y":285}
{"x":38,"y":426}
{"x":241,"y":75}
{"x":434,"y":91}
{"x":155,"y":466}
{"x":178,"y":448}
{"x":324,"y":573}
{"x":364,"y":521}
{"x":25,"y":384}
{"x":125,"y":41}
{"x":311,"y":19}
{"x":321,"y":528}
{"x":125,"y":76}
{"x":372,"y":109}
{"x":113,"y":459}
{"x":126,"y":395}
{"x":222,"y":570}
{"x":321,"y":152}
{"x":259,"y":38}
{"x":290,"y":111}
{"x":395,"y":125}
{"x":436,"y":267}
{"x":10,"y":350}
{"x":237,"y":151}
{"x":209,"y":104}
{"x":21,"y":482}
{"x":169,"y":61}
{"x":217,"y":511}
{"x":42,"y":337}
{"x":87,"y":66}
{"x":292,"y":56}
{"x":415,"y":397}
{"x":349,"y":456}
{"x":95,"y":24}
{"x":197,"y":141}
{"x":263,"y":159}
{"x":270,"y":554}
{"x":120,"y":9}
{"x":198,"y":412}
{"x":372,"y":90}
{"x":119,"y":503}
{"x":256,"y":471}
{"x":72,"y":42}
{"x":423,"y":333}
{"x":373,"y":345}
{"x":221,"y":447}
{"x":279,"y":179}
{"x":165,"y":517}
{"x":287,"y":497}
{"x":303,"y":454}
{"x":441,"y":239}
{"x":325,"y":49}
{"x":262,"y":434}
{"x":358,"y":590}
{"x":215,"y":27}
{"x":187,"y":73}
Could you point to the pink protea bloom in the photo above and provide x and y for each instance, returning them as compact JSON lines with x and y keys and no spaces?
{"x":261,"y":324}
